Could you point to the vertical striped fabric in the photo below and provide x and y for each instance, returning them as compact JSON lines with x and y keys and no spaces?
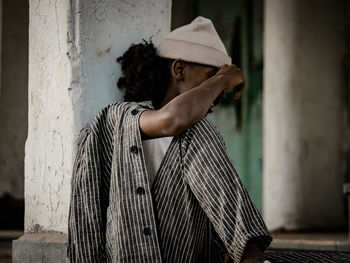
{"x":196,"y":210}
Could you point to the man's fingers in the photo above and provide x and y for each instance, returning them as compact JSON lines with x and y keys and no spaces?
{"x":237,"y":95}
{"x":234,"y":77}
{"x":238,"y":90}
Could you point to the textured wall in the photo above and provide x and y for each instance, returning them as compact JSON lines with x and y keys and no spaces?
{"x":303,"y":49}
{"x":13,"y":96}
{"x":72,"y":75}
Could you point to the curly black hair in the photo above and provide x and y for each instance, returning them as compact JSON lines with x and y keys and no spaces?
{"x":145,"y":75}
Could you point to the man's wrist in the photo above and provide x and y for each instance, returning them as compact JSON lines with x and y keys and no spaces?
{"x":222,"y":81}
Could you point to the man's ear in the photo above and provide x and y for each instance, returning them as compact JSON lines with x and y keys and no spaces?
{"x":178,"y":68}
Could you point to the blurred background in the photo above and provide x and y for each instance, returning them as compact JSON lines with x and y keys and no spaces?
{"x":288,"y":135}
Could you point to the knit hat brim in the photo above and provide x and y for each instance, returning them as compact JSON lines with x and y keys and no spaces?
{"x":196,"y":42}
{"x":192,"y":52}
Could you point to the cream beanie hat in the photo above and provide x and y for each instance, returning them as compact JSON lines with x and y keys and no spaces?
{"x":196,"y":42}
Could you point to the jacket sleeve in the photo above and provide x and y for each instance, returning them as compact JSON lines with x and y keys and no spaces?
{"x":87,"y":212}
{"x":210,"y":174}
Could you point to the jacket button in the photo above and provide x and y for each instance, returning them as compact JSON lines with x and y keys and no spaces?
{"x":133,"y":149}
{"x":147,"y":231}
{"x":140,"y":190}
{"x":134,"y":111}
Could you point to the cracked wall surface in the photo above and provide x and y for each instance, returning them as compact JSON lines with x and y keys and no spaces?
{"x":73,"y":46}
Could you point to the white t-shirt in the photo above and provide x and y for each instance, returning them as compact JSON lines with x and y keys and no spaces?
{"x":154,"y":151}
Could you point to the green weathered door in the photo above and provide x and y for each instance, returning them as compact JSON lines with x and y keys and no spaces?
{"x":239,"y":24}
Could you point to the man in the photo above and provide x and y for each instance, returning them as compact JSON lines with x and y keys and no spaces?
{"x":196,"y":209}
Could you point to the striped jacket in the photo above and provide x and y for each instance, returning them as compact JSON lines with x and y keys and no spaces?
{"x":196,"y":210}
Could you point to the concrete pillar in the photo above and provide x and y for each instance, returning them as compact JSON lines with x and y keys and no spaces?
{"x":302,"y":126}
{"x":73,"y":46}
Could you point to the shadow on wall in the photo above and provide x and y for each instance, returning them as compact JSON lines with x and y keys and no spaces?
{"x":13,"y":112}
{"x":13,"y":211}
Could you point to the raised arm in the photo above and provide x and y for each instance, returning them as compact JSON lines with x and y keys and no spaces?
{"x":191,"y":106}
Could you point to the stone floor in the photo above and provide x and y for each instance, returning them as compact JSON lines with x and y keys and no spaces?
{"x":312,"y":241}
{"x":307,"y":243}
{"x":5,"y":256}
{"x":6,"y":237}
{"x":326,"y":236}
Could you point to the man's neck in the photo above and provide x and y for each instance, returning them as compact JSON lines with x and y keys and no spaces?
{"x":171,"y":93}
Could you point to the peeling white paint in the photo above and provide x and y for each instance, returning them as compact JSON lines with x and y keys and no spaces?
{"x":73,"y":46}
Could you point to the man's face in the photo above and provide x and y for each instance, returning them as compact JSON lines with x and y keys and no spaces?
{"x":190,"y":75}
{"x":198,"y":73}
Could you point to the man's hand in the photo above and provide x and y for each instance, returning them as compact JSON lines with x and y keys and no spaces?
{"x":253,"y":253}
{"x":233,"y":78}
